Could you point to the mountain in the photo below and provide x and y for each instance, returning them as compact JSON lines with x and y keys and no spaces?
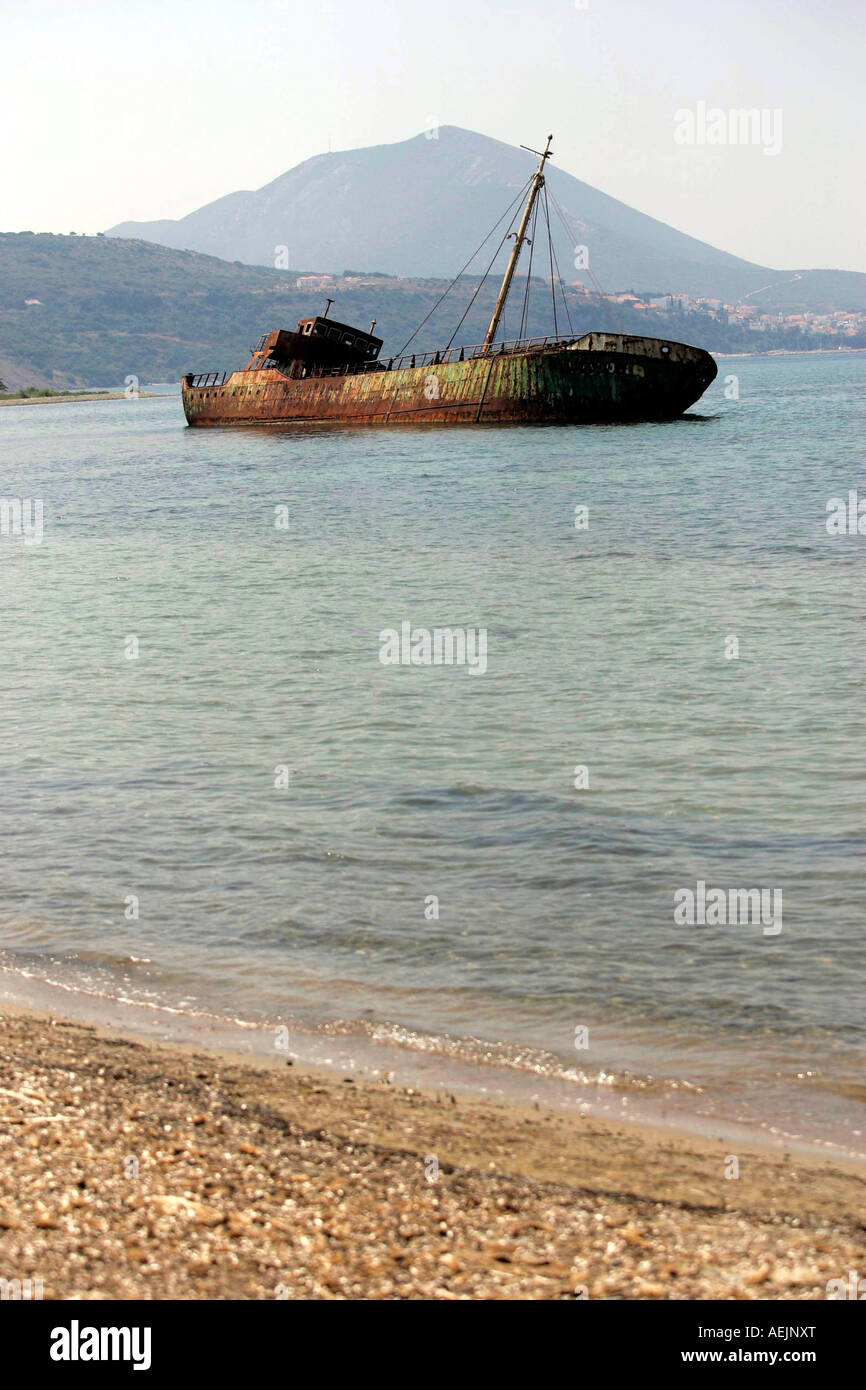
{"x":90,"y":311}
{"x":421,"y":206}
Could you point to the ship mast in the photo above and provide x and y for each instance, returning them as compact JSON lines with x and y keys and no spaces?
{"x":537,"y":182}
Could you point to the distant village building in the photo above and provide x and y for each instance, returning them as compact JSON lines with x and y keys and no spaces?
{"x":315,"y":282}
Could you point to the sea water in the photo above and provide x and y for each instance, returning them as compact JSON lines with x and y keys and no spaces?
{"x":222,"y":799}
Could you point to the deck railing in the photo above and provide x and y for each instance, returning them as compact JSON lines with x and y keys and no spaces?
{"x":443,"y":355}
{"x":415,"y":359}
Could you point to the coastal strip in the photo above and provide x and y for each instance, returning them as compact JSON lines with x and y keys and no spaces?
{"x":131,"y":1169}
{"x":79,"y":398}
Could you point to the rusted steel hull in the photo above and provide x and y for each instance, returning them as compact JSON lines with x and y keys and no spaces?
{"x":600,"y":377}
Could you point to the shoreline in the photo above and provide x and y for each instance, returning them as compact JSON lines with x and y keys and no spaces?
{"x":608,"y":1090}
{"x":138,"y":1169}
{"x":794,"y":352}
{"x":78,"y":399}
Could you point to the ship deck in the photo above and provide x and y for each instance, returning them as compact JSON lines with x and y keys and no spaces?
{"x":595,"y":341}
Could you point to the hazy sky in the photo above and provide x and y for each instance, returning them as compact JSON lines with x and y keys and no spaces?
{"x":141,"y":109}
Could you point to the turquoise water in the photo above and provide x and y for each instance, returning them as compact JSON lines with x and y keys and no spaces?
{"x":258,"y":649}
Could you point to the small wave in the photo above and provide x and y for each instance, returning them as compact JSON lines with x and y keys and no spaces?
{"x":482,"y":1052}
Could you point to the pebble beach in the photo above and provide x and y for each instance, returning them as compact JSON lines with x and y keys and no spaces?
{"x":135,"y":1170}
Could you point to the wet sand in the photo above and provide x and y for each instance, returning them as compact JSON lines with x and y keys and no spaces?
{"x":136,"y":1170}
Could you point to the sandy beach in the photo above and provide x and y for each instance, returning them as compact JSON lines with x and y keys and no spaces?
{"x":77,"y":399}
{"x":137,"y":1170}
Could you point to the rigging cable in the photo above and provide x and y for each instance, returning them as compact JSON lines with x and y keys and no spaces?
{"x":562,"y":292}
{"x":550,"y":249}
{"x":555,"y":262}
{"x":480,"y":284}
{"x":569,"y":232}
{"x":460,"y":273}
{"x":523,"y":317}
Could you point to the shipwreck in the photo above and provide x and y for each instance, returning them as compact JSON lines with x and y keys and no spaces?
{"x":326,"y":372}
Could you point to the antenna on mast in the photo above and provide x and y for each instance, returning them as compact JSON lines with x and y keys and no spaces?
{"x":537,"y":183}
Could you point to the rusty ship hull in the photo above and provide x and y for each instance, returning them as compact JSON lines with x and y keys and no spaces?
{"x":599,"y":377}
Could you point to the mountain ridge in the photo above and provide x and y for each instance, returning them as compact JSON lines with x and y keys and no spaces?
{"x":335,"y":210}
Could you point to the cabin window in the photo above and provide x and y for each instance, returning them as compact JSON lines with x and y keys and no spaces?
{"x":308,"y":328}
